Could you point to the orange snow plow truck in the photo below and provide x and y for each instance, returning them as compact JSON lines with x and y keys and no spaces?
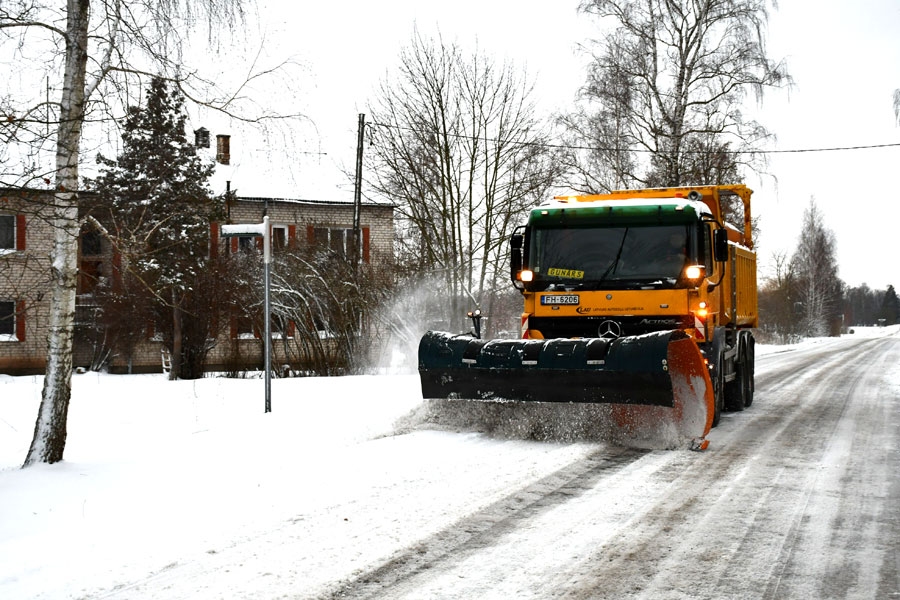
{"x":641,"y":299}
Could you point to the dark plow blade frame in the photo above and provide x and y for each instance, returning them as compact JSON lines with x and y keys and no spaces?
{"x":663,"y":369}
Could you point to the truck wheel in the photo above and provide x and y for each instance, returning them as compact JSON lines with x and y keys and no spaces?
{"x":750,"y":369}
{"x":718,"y":379}
{"x":736,"y":390}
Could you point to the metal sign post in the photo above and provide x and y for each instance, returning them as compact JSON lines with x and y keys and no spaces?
{"x":261,"y":230}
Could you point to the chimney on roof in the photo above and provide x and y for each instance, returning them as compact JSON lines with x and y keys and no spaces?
{"x":201,"y":137}
{"x":223,"y":149}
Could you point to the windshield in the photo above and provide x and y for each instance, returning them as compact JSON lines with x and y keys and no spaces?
{"x":584,"y":256}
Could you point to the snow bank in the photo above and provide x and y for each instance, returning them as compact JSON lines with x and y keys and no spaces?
{"x":858,"y":332}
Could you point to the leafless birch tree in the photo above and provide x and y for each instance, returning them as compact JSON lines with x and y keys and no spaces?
{"x":818,"y":287}
{"x":458,"y":146}
{"x":662,"y":105}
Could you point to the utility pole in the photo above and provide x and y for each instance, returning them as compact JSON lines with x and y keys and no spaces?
{"x":357,"y":193}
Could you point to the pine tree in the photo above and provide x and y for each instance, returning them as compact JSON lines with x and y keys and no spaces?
{"x":890,"y":307}
{"x":157,"y":206}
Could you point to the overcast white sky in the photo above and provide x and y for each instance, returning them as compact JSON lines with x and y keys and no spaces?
{"x":844,"y":57}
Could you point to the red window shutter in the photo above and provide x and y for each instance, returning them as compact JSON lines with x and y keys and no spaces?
{"x":20,"y":232}
{"x":213,"y":240}
{"x":292,"y":236}
{"x":234,"y":245}
{"x":20,"y":320}
{"x":311,"y":235}
{"x":365,"y":232}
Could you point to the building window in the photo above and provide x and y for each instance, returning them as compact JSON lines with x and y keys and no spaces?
{"x":338,"y":240}
{"x":242,"y":327}
{"x":279,"y":237}
{"x":323,"y":327}
{"x":8,"y":321}
{"x":12,"y":232}
{"x":246,"y":244}
{"x":282,"y":327}
{"x":90,"y":271}
{"x":201,"y":137}
{"x":91,"y":244}
{"x":7,"y":232}
{"x":223,"y":149}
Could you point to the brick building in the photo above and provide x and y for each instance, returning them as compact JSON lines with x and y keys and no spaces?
{"x":26,"y":235}
{"x":25,"y":238}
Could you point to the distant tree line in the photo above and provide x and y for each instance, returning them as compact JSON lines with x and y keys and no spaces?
{"x":865,"y":306}
{"x":805,"y":297}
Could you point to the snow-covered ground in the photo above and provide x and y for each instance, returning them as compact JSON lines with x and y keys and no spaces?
{"x":807,"y":343}
{"x":166,"y":482}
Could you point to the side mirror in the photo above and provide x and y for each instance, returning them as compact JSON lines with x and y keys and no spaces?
{"x":720,"y":245}
{"x":515,"y":255}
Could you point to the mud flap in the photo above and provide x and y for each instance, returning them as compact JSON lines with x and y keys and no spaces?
{"x":652,"y":381}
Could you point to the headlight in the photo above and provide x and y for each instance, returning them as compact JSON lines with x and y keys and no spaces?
{"x":695,"y":272}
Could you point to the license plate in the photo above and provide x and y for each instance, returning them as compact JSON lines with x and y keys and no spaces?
{"x":569,"y":300}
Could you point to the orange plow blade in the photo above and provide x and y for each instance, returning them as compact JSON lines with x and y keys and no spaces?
{"x":657,"y":386}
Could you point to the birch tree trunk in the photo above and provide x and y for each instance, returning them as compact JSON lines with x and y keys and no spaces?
{"x":49,"y":440}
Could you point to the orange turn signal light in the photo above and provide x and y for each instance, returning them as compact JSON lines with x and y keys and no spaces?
{"x":702,"y":310}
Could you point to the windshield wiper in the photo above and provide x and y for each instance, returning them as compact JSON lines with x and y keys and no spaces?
{"x":612,"y":266}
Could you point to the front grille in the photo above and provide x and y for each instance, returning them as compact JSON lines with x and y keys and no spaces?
{"x":587,"y":327}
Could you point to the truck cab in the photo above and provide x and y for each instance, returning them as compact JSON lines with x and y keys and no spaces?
{"x":653,"y":260}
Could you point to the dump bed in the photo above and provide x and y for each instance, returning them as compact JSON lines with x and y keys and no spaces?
{"x":740,"y":291}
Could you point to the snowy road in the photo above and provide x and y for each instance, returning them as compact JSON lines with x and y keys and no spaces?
{"x":187,"y":490}
{"x":798,"y":497}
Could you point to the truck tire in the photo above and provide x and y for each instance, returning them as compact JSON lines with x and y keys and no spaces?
{"x":736,"y":390}
{"x":718,"y":379}
{"x":750,"y":357}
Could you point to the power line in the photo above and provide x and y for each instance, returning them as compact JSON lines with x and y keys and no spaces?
{"x":645,"y":151}
{"x":719,"y":151}
{"x":834,"y":149}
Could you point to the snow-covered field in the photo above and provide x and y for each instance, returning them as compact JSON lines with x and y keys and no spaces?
{"x":188,"y":489}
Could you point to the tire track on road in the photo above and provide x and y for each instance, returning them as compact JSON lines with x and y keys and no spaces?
{"x":481,"y":529}
{"x":850,"y":490}
{"x":740,"y":485}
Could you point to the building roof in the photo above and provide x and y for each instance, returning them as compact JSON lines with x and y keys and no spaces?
{"x":309,"y":201}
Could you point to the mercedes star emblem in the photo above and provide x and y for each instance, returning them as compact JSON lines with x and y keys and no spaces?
{"x":609,"y":330}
